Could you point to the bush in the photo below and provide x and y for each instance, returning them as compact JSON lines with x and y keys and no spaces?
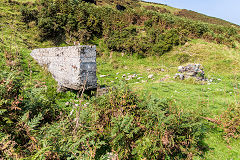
{"x":76,"y":21}
{"x":28,"y":14}
{"x":229,"y":122}
{"x":10,"y":96}
{"x":22,"y":111}
{"x":155,"y":42}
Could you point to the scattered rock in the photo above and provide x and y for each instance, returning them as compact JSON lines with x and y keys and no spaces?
{"x":150,"y":76}
{"x":129,"y":76}
{"x":101,"y":76}
{"x":210,"y":80}
{"x":134,"y":75}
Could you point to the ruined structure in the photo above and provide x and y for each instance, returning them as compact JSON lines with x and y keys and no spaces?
{"x":72,"y":67}
{"x":191,"y":70}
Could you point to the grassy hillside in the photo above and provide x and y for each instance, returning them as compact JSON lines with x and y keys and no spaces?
{"x":200,"y":17}
{"x":140,"y":118}
{"x":188,"y":14}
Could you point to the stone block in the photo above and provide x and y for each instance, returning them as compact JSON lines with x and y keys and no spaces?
{"x":72,"y":67}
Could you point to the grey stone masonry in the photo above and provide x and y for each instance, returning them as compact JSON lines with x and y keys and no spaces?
{"x":72,"y":67}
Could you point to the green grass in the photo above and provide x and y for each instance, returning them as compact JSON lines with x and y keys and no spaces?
{"x":169,"y":8}
{"x":220,"y":63}
{"x":18,"y":38}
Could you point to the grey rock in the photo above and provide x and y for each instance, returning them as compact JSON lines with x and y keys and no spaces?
{"x":72,"y":67}
{"x":150,"y":76}
{"x":179,"y":75}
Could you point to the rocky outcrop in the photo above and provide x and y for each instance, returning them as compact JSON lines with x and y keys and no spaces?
{"x":191,"y":70}
{"x":72,"y":67}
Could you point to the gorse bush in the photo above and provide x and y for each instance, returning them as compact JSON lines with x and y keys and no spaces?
{"x":123,"y":31}
{"x":153,"y":43}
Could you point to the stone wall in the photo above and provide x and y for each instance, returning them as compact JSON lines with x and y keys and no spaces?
{"x":72,"y":67}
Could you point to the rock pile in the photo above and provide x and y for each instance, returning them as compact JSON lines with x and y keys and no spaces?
{"x":191,"y":70}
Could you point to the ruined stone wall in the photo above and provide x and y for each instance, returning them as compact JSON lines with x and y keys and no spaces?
{"x":71,"y":67}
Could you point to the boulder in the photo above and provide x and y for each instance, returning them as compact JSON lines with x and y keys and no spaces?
{"x":72,"y":67}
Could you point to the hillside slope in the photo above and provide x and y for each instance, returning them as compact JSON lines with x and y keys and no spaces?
{"x":188,"y":14}
{"x":147,"y":114}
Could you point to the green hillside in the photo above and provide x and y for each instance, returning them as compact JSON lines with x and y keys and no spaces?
{"x":150,"y":115}
{"x":188,"y":14}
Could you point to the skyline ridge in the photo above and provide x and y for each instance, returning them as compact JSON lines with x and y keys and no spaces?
{"x":212,"y":8}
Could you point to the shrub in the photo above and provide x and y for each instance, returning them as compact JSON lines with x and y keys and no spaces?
{"x":22,"y":111}
{"x":155,"y":42}
{"x":10,"y":90}
{"x":77,"y":21}
{"x":28,"y":14}
{"x":229,"y":121}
